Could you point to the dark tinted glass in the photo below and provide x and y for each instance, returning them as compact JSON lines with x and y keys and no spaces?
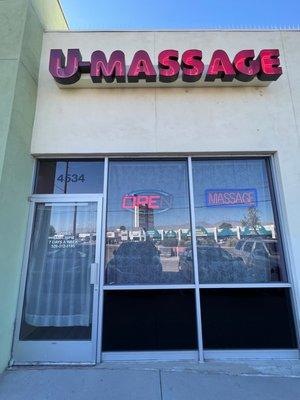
{"x":247,"y":319}
{"x":69,"y":176}
{"x":149,"y":320}
{"x":45,"y":178}
{"x":237,"y":236}
{"x":148,"y":238}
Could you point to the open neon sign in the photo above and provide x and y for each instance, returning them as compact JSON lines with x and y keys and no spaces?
{"x":245,"y":66}
{"x":155,"y":200}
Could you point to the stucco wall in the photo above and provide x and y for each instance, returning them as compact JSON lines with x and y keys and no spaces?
{"x":147,"y":120}
{"x":191,"y":120}
{"x":20,"y":48}
{"x":50,"y":14}
{"x":12,"y":20}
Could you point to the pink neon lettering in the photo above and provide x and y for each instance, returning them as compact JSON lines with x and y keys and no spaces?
{"x":128,"y":202}
{"x":142,"y":200}
{"x":153,"y":202}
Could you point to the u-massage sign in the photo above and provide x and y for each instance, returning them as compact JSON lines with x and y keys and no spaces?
{"x":170,"y":69}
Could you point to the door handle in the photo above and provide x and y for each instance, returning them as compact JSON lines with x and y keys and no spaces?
{"x":94,"y":274}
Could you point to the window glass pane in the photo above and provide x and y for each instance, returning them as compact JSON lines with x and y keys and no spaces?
{"x":248,"y":247}
{"x":237,"y":239}
{"x":247,"y":319}
{"x":69,"y":177}
{"x":136,"y":320}
{"x":148,"y":238}
{"x":47,"y":174}
{"x":60,"y":183}
{"x":58,"y":296}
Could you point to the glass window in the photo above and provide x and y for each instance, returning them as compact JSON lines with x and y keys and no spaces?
{"x":239,"y":244}
{"x":259,"y":246}
{"x":63,"y":176}
{"x":137,"y":320}
{"x":234,"y":216}
{"x":148,"y":236}
{"x":248,"y":246}
{"x":247,"y":319}
{"x":58,"y":296}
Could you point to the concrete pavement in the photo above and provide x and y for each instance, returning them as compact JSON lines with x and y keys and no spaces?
{"x":256,"y":380}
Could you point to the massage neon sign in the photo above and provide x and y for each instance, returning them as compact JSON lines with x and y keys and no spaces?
{"x":169,"y":66}
{"x":231,"y":198}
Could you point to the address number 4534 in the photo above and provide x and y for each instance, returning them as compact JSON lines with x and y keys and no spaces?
{"x":71,"y":178}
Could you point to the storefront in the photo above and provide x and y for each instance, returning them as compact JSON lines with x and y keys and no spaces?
{"x":163,"y":219}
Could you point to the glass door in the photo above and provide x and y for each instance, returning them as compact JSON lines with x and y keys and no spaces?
{"x":58,"y":305}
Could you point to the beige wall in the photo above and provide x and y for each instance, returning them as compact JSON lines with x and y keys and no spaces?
{"x":191,"y":120}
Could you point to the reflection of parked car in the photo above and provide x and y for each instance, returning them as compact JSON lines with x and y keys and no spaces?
{"x":186,"y":265}
{"x":215,"y":265}
{"x":165,"y":251}
{"x":238,"y":247}
{"x":261,"y":253}
{"x":134,"y":262}
{"x":253,"y":260}
{"x":218,"y":265}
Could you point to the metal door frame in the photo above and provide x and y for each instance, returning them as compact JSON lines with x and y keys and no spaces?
{"x":22,"y":357}
{"x":62,"y":351}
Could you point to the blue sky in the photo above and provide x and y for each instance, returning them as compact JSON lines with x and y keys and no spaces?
{"x":167,"y":14}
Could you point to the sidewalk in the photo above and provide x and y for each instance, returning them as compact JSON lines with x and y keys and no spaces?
{"x":251,"y":380}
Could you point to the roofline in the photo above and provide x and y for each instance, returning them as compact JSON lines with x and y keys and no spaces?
{"x":173,"y":30}
{"x":63,"y":14}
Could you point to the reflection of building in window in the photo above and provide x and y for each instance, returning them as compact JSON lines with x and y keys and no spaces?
{"x":218,"y":233}
{"x":146,"y":229}
{"x":137,"y":235}
{"x":143,"y":217}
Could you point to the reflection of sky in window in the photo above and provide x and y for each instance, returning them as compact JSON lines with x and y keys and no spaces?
{"x":62,"y":217}
{"x":231,"y":174}
{"x":59,"y":186}
{"x":171,"y":177}
{"x":127,"y":177}
{"x":132,"y":176}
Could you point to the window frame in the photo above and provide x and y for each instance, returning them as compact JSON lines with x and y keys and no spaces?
{"x":198,"y":286}
{"x":66,"y":160}
{"x":28,"y":351}
{"x":157,"y":285}
{"x":279,"y":212}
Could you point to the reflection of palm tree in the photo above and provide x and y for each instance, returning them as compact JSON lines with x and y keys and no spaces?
{"x":252,"y":220}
